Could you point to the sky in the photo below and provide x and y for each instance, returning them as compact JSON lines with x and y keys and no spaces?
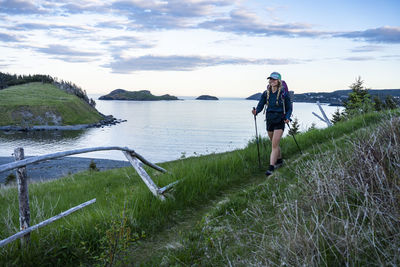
{"x":225,"y":48}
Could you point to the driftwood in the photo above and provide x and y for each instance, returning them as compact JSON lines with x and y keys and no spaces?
{"x":325,"y":119}
{"x":20,"y":164}
{"x":44,"y":223}
{"x":23,"y":196}
{"x":143,"y":174}
{"x":167,"y":187}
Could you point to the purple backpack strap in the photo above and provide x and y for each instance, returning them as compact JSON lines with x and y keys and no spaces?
{"x":285,"y":89}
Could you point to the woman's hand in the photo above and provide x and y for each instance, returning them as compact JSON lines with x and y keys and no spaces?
{"x":286,"y":121}
{"x":254,"y":111}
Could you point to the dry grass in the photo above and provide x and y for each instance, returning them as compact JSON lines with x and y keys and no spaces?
{"x":350,"y":214}
{"x":341,"y":209}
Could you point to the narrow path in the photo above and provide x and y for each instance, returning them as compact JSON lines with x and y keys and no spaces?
{"x":168,"y":238}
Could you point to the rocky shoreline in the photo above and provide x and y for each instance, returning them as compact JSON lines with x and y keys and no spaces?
{"x":61,"y":167}
{"x":107,"y":121}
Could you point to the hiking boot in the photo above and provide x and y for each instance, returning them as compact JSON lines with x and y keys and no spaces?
{"x":270,"y":170}
{"x":278,"y":163}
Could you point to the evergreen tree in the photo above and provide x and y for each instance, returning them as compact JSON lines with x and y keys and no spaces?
{"x":337,"y":116}
{"x":390,"y":103}
{"x":294,"y":127}
{"x":359,"y":99}
{"x":378,"y":104}
{"x":312,"y":127}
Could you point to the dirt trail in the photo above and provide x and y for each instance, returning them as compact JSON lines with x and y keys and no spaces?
{"x":168,"y":238}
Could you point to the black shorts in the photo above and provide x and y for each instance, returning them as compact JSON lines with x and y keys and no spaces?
{"x":275,"y":126}
{"x":275,"y":121}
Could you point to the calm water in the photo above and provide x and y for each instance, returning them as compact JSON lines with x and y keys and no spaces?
{"x":161,"y":130}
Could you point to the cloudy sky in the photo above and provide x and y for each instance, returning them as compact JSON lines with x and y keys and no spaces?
{"x":193,"y":47}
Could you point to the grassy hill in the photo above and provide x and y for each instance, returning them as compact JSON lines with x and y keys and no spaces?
{"x":43,"y":104}
{"x":338,"y":204}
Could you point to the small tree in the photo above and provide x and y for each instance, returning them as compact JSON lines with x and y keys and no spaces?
{"x":294,"y":127}
{"x":390,"y":103}
{"x":378,"y":104}
{"x":93,"y":166}
{"x":337,"y":116}
{"x":312,"y":127}
{"x":359,"y":99}
{"x":11,"y":178}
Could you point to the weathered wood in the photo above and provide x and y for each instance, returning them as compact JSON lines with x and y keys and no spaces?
{"x":167,"y":187}
{"x":143,"y":174}
{"x":148,"y":163}
{"x":324,"y":115}
{"x":44,"y":223}
{"x":319,"y":117}
{"x":30,"y":160}
{"x":23,"y":196}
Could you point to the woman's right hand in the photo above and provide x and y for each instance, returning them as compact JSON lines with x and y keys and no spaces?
{"x":254,"y":111}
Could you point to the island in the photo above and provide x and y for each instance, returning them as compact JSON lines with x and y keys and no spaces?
{"x":256,"y":96}
{"x":142,"y":95}
{"x":206,"y":97}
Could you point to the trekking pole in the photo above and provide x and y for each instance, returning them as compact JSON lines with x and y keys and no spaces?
{"x":295,"y":139}
{"x":258,"y":147}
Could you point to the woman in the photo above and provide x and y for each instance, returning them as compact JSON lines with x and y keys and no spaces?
{"x":279,"y":110}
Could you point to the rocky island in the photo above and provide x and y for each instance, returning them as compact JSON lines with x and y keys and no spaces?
{"x":143,"y":95}
{"x":206,"y":97}
{"x":254,"y":97}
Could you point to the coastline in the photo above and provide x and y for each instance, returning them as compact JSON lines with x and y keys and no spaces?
{"x":57,"y":168}
{"x":108,"y":121}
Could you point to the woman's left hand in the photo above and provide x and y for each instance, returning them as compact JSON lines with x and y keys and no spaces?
{"x":286,"y":121}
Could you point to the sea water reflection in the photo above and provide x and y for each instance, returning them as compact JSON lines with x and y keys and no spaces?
{"x":161,"y":130}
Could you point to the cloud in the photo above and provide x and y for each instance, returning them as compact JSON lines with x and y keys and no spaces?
{"x":386,"y":34}
{"x":245,"y":22}
{"x":128,"y":42}
{"x":111,"y":25}
{"x":47,"y":27}
{"x":359,"y":58}
{"x":4,"y":37}
{"x":367,"y":48}
{"x":125,"y":42}
{"x":67,"y":54}
{"x":19,"y":7}
{"x":183,"y":63}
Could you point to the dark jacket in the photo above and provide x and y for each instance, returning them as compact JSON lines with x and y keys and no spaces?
{"x":272,"y":107}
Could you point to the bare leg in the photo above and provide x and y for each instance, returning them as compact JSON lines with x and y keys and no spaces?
{"x":276,"y":150}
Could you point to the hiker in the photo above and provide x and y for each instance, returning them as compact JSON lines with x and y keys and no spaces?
{"x":278,"y":111}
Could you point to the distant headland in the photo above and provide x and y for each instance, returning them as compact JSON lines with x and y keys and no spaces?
{"x":143,"y":95}
{"x":336,"y":98}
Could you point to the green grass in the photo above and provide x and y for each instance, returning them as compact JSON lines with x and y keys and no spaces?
{"x":315,"y":211}
{"x":121,"y":196}
{"x":27,"y":105}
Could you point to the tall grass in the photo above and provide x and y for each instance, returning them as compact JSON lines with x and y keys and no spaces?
{"x":337,"y":206}
{"x":123,"y":200}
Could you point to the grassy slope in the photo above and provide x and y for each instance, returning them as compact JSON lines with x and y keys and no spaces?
{"x":38,"y":98}
{"x":123,"y":203}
